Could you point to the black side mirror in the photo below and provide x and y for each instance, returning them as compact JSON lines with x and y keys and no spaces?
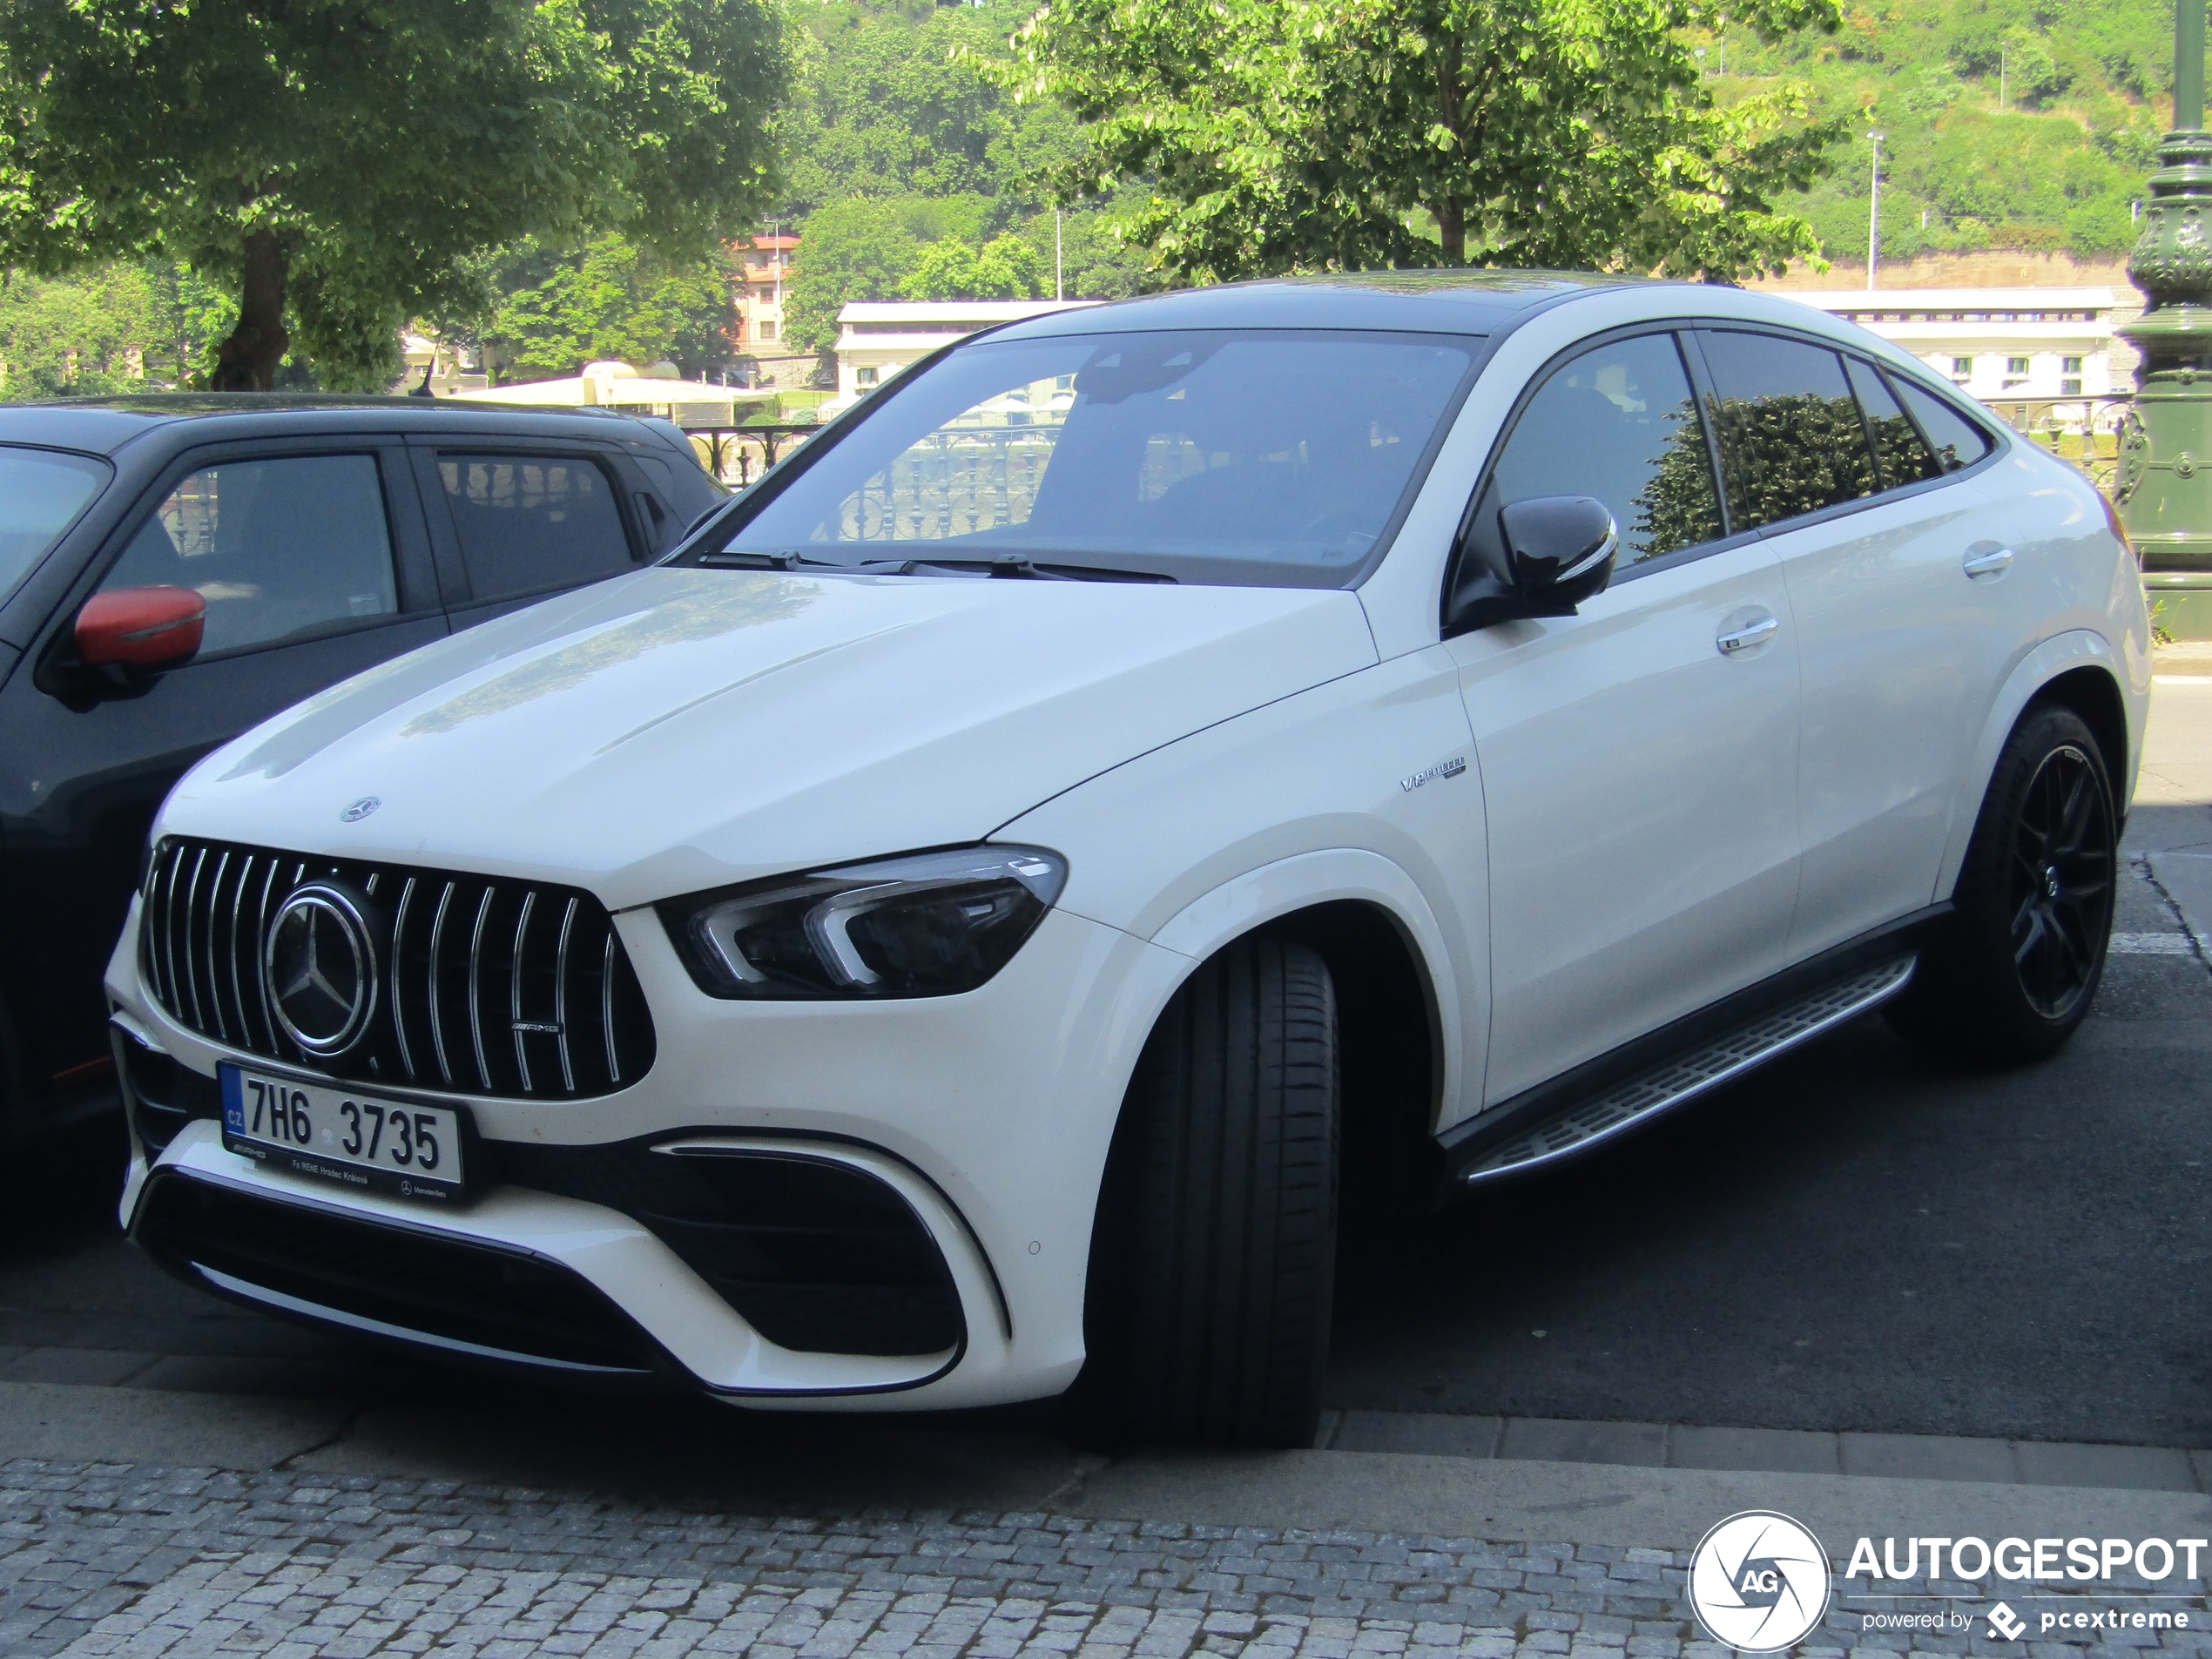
{"x":1559,"y":551}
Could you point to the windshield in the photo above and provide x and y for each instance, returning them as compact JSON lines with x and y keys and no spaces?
{"x":42,"y":491}
{"x":1278,"y":458}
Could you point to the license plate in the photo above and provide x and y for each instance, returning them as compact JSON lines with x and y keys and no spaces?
{"x":335,"y":1134}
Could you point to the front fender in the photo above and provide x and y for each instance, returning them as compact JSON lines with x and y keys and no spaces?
{"x":1251,"y":900}
{"x":2061,"y":654}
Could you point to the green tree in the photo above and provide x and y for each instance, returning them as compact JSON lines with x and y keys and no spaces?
{"x":1006,"y":267}
{"x":1283,"y":135}
{"x":334,"y":161}
{"x":547,"y":314}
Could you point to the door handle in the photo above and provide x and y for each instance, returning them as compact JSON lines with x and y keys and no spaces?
{"x":1996,"y":562}
{"x":1751,"y":634}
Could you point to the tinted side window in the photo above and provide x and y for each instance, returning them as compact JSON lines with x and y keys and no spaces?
{"x":1791,"y":432}
{"x":1618,"y":423}
{"x":277,"y":548}
{"x":1956,"y":442}
{"x":1900,"y":456}
{"x":531,"y":523}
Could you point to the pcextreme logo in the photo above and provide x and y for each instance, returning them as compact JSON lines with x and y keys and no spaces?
{"x":1758,"y":1581}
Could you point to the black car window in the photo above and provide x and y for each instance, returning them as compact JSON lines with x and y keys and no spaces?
{"x":533,"y":524}
{"x":277,"y":548}
{"x":1957,"y":441}
{"x":1901,"y":456}
{"x":1618,"y":423}
{"x":1791,"y":432}
{"x":41,"y":493}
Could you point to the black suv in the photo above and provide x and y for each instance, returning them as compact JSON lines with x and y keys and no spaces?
{"x":238,"y":554}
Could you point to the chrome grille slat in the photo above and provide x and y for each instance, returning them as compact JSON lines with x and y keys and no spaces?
{"x":215,"y":968}
{"x":561,"y":996}
{"x":475,"y":986}
{"x":238,"y":904}
{"x":192,"y":969}
{"x":515,"y":990}
{"x":437,"y":1019}
{"x":607,"y":1005}
{"x":211,"y":904}
{"x":399,"y":989}
{"x":262,"y":932}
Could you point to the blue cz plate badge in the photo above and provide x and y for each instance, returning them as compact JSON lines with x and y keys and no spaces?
{"x":335,"y":1134}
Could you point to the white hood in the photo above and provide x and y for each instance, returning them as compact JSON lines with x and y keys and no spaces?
{"x":681,"y":729}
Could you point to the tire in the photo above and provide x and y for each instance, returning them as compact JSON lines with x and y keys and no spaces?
{"x":1213,"y":1266}
{"x":2017,"y":968}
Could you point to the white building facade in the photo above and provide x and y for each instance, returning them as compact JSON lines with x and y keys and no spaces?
{"x":877,"y":339}
{"x":2018,"y":350}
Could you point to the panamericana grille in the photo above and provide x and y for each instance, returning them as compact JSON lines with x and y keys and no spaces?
{"x":490,"y":987}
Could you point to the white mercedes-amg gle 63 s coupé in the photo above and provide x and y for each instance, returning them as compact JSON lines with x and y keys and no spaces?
{"x":1147,"y":777}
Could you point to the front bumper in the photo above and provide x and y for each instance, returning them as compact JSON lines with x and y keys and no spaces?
{"x":986,"y":1116}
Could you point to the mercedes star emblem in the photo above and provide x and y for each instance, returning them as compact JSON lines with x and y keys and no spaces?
{"x":319,"y":965}
{"x":360,"y":809}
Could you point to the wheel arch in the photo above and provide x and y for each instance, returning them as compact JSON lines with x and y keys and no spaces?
{"x":2095,"y":695}
{"x":1403,"y":1052}
{"x":2080,"y":670}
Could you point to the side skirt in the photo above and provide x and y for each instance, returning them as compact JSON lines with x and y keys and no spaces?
{"x":1614,"y":1093}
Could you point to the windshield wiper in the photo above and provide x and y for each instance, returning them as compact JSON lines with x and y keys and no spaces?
{"x":730,"y":559}
{"x":1015,"y":565}
{"x":1021,"y":567}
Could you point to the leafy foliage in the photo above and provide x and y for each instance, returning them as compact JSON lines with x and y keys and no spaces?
{"x":1006,"y":267}
{"x":115,"y":328}
{"x":1349,"y":134}
{"x":1678,"y":507}
{"x":902,"y":135}
{"x":345,"y":155}
{"x":2007,"y":123}
{"x":541,"y":313}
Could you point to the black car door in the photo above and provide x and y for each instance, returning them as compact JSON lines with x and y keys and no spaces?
{"x":516,"y":519}
{"x":312,"y":557}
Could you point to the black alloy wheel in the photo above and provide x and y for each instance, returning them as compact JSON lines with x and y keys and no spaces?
{"x":2016,"y":968}
{"x":2062,"y":875}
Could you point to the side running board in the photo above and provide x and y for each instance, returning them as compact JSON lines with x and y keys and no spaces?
{"x":1585,"y":1122}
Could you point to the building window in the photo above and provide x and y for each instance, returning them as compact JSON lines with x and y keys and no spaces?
{"x":2069,"y":365}
{"x":1962,"y":369}
{"x":864,"y":376}
{"x":2070,"y":388}
{"x":768,"y":331}
{"x":2016,"y":365}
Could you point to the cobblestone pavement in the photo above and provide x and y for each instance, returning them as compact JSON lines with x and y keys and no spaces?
{"x":111,"y":1559}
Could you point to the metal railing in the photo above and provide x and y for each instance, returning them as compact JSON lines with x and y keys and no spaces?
{"x":730,"y":448}
{"x":2083,"y":429}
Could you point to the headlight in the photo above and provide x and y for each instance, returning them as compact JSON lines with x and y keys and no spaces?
{"x":929,"y":925}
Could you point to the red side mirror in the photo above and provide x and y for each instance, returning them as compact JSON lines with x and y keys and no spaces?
{"x":151,"y":628}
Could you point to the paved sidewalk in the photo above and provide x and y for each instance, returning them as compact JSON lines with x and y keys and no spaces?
{"x":105,"y":1559}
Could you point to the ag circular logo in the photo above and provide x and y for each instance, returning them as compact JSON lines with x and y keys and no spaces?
{"x":318,"y":966}
{"x":360,"y":809}
{"x":1758,"y":1581}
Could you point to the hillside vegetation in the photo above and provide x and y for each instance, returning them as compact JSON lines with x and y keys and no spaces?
{"x":2007,"y":123}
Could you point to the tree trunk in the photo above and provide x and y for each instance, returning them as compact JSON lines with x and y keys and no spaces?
{"x":1452,"y":230}
{"x":247,"y":361}
{"x":1451,"y":109}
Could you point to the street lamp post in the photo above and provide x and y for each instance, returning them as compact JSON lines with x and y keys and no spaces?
{"x":2166,"y":445}
{"x":1874,"y":216}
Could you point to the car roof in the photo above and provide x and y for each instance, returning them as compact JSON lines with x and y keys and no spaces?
{"x":105,"y":425}
{"x":1448,"y":302}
